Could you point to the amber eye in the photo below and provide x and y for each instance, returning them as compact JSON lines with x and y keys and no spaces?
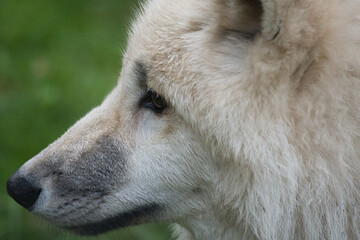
{"x":154,"y":101}
{"x":157,"y":100}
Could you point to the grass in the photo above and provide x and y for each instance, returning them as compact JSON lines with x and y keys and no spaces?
{"x":58,"y":59}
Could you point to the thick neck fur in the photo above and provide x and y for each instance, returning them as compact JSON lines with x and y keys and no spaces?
{"x":223,"y":213}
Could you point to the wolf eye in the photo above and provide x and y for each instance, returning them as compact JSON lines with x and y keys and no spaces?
{"x":154,"y":101}
{"x":157,"y":101}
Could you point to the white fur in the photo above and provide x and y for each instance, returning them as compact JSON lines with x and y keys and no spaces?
{"x":262,"y":137}
{"x":287,"y":119}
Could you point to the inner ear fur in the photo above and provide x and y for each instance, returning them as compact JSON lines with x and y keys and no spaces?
{"x":253,"y":15}
{"x":284,"y":26}
{"x":291,"y":18}
{"x":241,"y":16}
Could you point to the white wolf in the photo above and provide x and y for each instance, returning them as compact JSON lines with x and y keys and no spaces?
{"x":234,"y":119}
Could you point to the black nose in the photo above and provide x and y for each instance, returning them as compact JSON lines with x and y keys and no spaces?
{"x":22,"y":190}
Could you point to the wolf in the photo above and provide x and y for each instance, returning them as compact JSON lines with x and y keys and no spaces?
{"x":232,"y":119}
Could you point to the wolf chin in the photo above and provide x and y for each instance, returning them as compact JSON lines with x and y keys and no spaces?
{"x":232,"y":119}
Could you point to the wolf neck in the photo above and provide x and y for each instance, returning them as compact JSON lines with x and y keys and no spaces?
{"x":265,"y":210}
{"x":211,"y":226}
{"x":212,"y":229}
{"x":265,"y":207}
{"x":223,"y":212}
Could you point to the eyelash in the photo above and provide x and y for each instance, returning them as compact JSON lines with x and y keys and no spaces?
{"x":153,"y":101}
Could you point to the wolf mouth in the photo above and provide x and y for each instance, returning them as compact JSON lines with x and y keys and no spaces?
{"x":135,"y":216}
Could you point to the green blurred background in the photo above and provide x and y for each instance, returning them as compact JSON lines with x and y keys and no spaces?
{"x":58,"y":59}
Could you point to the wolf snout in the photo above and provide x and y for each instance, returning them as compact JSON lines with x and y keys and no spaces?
{"x":23,"y":190}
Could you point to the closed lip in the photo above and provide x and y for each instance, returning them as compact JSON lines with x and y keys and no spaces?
{"x":137,"y":215}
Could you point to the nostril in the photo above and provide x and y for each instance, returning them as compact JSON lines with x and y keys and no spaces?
{"x":22,"y":190}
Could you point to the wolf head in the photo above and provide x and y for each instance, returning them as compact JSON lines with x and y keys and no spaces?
{"x":211,"y":125}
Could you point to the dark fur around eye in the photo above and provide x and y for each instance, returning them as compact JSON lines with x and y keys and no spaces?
{"x":153,"y":101}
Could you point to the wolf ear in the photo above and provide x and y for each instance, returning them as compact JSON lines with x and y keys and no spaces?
{"x":264,"y":16}
{"x":271,"y":18}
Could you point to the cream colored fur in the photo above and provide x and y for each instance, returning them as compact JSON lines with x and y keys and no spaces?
{"x":283,"y":112}
{"x":261,"y":139}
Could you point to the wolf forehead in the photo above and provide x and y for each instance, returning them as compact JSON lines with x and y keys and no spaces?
{"x":179,"y":48}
